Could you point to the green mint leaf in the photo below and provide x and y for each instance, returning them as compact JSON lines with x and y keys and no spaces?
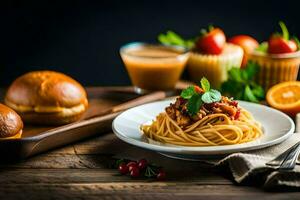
{"x":172,"y":38}
{"x":297,"y":42}
{"x":248,"y":95}
{"x":258,"y":92}
{"x":216,"y":95}
{"x":239,"y":95}
{"x":263,"y":47}
{"x":228,"y":87}
{"x":211,"y":96}
{"x":188,"y":92}
{"x":205,"y":84}
{"x":235,"y":74}
{"x":251,"y":69}
{"x":175,"y":38}
{"x":241,"y":84}
{"x":163,"y":39}
{"x":244,"y":75}
{"x":285,"y":32}
{"x":194,"y":104}
{"x":233,"y":89}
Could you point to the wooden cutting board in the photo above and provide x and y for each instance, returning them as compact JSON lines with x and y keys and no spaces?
{"x":105,"y":103}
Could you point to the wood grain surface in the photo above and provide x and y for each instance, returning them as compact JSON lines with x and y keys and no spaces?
{"x":82,"y":171}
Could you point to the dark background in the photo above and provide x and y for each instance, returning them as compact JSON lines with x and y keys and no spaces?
{"x":82,"y":38}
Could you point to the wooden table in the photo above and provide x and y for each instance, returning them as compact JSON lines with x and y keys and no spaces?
{"x":81,"y":171}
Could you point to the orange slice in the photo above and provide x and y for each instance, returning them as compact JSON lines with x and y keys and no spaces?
{"x":285,"y":97}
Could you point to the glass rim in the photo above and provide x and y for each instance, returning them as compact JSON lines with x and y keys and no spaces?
{"x":181,"y":50}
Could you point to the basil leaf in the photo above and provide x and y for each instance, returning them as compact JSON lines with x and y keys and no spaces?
{"x":194,"y":104}
{"x":188,"y":92}
{"x":248,"y":95}
{"x":211,"y":96}
{"x":205,"y":84}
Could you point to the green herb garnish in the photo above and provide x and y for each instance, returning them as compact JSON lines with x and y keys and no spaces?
{"x":196,"y":100}
{"x":172,"y":38}
{"x":285,"y":32}
{"x":188,"y":92}
{"x":241,"y":84}
{"x":211,"y":96}
{"x":263,"y":47}
{"x":194,"y":104}
{"x":297,"y":41}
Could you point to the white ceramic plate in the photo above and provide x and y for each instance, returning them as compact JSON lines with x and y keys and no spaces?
{"x":277,"y":127}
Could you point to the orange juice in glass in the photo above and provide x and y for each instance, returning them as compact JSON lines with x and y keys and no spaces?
{"x":153,"y":67}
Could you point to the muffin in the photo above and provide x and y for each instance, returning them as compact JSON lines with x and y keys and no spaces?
{"x":278,"y":59}
{"x":212,"y":57}
{"x":275,"y":68}
{"x":214,"y":67}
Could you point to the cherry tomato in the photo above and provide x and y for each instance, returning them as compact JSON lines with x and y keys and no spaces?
{"x":247,"y":43}
{"x":278,"y":45}
{"x":123,"y":169}
{"x":135,"y":172}
{"x":198,"y":89}
{"x":212,"y":42}
{"x":142,"y":164}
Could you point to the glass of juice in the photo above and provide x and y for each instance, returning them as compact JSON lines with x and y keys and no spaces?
{"x":153,"y":67}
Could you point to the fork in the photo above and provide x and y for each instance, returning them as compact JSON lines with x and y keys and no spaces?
{"x":287,"y":160}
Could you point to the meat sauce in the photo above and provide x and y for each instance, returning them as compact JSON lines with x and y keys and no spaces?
{"x":179,"y":113}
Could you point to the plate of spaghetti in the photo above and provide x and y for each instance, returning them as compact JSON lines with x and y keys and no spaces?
{"x":202,"y":122}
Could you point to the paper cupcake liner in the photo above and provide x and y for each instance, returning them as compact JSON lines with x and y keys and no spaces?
{"x":275,"y":70}
{"x":214,"y":67}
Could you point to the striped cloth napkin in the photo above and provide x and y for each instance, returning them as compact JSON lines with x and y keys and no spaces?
{"x":249,"y":168}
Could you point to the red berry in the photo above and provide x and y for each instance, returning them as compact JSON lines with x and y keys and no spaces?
{"x":198,"y":89}
{"x":135,"y":172}
{"x":161,"y":175}
{"x":142,"y":164}
{"x":123,"y":169}
{"x":131,"y":164}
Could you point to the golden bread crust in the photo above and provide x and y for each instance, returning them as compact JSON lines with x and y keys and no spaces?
{"x":10,"y":122}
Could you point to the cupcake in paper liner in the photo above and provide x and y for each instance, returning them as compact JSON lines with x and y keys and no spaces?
{"x":278,"y":58}
{"x":275,"y":68}
{"x":214,"y":67}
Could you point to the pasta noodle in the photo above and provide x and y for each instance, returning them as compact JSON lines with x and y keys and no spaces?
{"x":213,"y":129}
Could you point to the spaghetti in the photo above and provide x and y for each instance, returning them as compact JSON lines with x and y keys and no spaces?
{"x":214,"y":129}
